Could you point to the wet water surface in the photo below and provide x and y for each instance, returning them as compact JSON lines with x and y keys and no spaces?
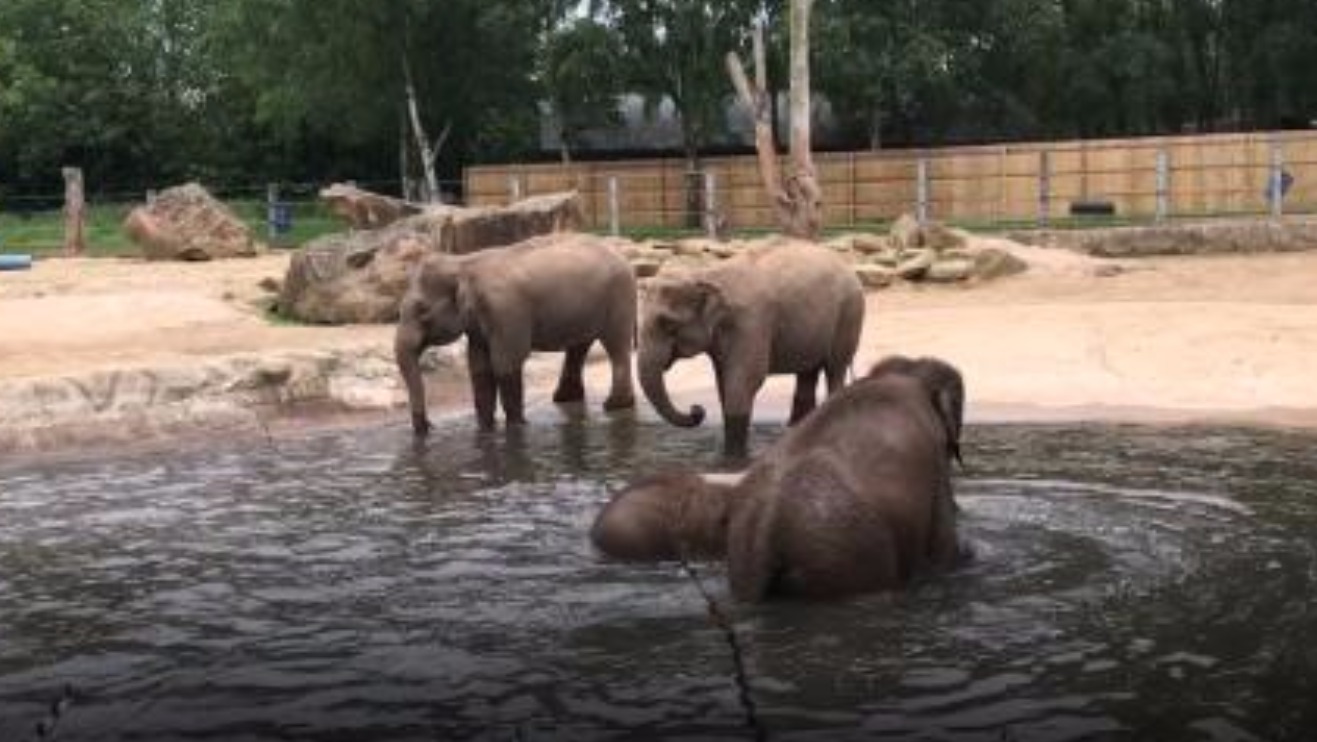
{"x":1132,"y":583}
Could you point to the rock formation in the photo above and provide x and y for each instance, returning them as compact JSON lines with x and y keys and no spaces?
{"x":187,"y":223}
{"x":360,"y":277}
{"x":366,"y":210}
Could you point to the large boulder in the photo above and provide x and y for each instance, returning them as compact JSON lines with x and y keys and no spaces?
{"x":360,"y":277}
{"x":366,"y":210}
{"x":187,"y":223}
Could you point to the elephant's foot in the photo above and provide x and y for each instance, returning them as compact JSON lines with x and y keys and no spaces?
{"x":516,"y":421}
{"x":421,"y":426}
{"x":568,"y":392}
{"x":617,"y":402}
{"x":485,"y":424}
{"x":736,"y":437}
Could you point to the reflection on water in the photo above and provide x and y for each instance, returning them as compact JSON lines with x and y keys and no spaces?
{"x":1132,"y":583}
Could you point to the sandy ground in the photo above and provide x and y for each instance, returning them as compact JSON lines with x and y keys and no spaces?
{"x":1174,"y":339}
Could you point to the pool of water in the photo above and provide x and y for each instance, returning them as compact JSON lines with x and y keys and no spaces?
{"x":1132,"y":583}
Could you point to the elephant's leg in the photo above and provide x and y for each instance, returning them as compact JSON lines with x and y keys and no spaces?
{"x":483,"y":388}
{"x":945,"y":549}
{"x":835,"y":373}
{"x":570,"y":386}
{"x":511,"y":393}
{"x":804,"y":400}
{"x":507,"y":356}
{"x":618,"y":344}
{"x":739,"y":389}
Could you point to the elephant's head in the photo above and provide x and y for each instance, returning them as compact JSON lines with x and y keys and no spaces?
{"x":680,"y":320}
{"x":433,"y":312}
{"x":674,"y":515}
{"x":945,"y":387}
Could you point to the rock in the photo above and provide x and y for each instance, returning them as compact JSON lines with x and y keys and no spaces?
{"x":270,"y":284}
{"x":366,"y":210}
{"x":843,"y":244}
{"x":889,"y":258}
{"x":187,"y":223}
{"x":874,"y":276}
{"x":721,"y":251}
{"x":690,"y":248}
{"x":906,"y":234}
{"x":870,"y":244}
{"x":950,"y":271}
{"x":646,"y":268}
{"x":360,"y":277}
{"x":916,"y":266}
{"x":941,"y":237}
{"x":664,"y":245}
{"x":991,"y":263}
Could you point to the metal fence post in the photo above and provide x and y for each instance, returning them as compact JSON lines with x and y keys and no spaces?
{"x":921,"y":191}
{"x":1044,"y":188}
{"x":514,"y":188}
{"x":710,"y":204}
{"x":1276,"y":180}
{"x":1163,"y":185}
{"x":271,"y":210}
{"x":150,"y":196}
{"x":614,"y":217}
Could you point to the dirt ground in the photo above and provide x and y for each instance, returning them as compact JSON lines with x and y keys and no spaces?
{"x":1169,"y":339}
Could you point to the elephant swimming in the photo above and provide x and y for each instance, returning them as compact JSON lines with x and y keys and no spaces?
{"x":855,"y":498}
{"x":791,"y":308}
{"x":545,"y":294}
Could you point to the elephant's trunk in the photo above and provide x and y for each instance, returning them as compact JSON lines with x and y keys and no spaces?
{"x":407,"y":349}
{"x":652,"y":363}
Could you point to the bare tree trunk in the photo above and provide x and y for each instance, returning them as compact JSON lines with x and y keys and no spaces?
{"x":75,"y":213}
{"x":404,"y":162}
{"x":429,"y":151}
{"x":802,"y":185}
{"x":797,"y":199}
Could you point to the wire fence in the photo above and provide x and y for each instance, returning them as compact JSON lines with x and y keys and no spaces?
{"x":282,"y":214}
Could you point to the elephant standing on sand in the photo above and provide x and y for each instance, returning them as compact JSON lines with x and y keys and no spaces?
{"x":792,"y":308}
{"x":855,"y":498}
{"x":544,"y":294}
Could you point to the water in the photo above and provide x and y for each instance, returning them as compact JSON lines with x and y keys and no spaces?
{"x":1133,"y":583}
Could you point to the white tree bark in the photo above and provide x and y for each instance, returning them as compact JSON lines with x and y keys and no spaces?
{"x":797,"y":198}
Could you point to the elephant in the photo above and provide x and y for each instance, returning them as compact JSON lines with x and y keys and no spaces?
{"x":858,"y":496}
{"x":667,"y":516}
{"x":788,"y":308}
{"x":855,"y":498}
{"x":544,"y":294}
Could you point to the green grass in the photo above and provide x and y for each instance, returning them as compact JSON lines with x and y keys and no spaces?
{"x":42,"y":233}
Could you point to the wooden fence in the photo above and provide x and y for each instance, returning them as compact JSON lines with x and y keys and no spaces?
{"x":1149,"y":178}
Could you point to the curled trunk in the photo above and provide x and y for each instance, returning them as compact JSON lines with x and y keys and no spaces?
{"x":652,"y":364}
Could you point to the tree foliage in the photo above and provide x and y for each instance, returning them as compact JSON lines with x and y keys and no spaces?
{"x":142,"y":93}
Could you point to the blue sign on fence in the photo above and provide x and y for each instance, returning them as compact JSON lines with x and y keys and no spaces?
{"x":280,"y":217}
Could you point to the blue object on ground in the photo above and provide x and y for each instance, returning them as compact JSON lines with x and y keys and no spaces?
{"x":15,"y":262}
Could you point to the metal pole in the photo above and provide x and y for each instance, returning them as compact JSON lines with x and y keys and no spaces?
{"x":1275,"y":180}
{"x":921,"y":191}
{"x":514,"y":188}
{"x":614,"y":218}
{"x":150,"y":196}
{"x":710,"y":204}
{"x":271,"y":207}
{"x":1044,"y":188}
{"x":1163,"y":185}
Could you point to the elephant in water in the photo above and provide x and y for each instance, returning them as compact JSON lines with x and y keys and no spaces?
{"x":544,"y":294}
{"x":792,"y":308}
{"x":855,"y":498}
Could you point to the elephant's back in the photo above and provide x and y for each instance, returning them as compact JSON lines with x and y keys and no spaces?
{"x":816,"y":305}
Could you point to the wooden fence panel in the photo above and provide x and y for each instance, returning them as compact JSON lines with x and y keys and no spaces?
{"x":1208,"y":174}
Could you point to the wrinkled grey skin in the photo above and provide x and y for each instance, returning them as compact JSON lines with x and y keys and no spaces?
{"x":674,"y":515}
{"x":794,"y":308}
{"x":858,"y":496}
{"x":547,"y":294}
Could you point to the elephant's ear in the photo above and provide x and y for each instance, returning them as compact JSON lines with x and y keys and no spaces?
{"x":948,"y":406}
{"x":711,"y":302}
